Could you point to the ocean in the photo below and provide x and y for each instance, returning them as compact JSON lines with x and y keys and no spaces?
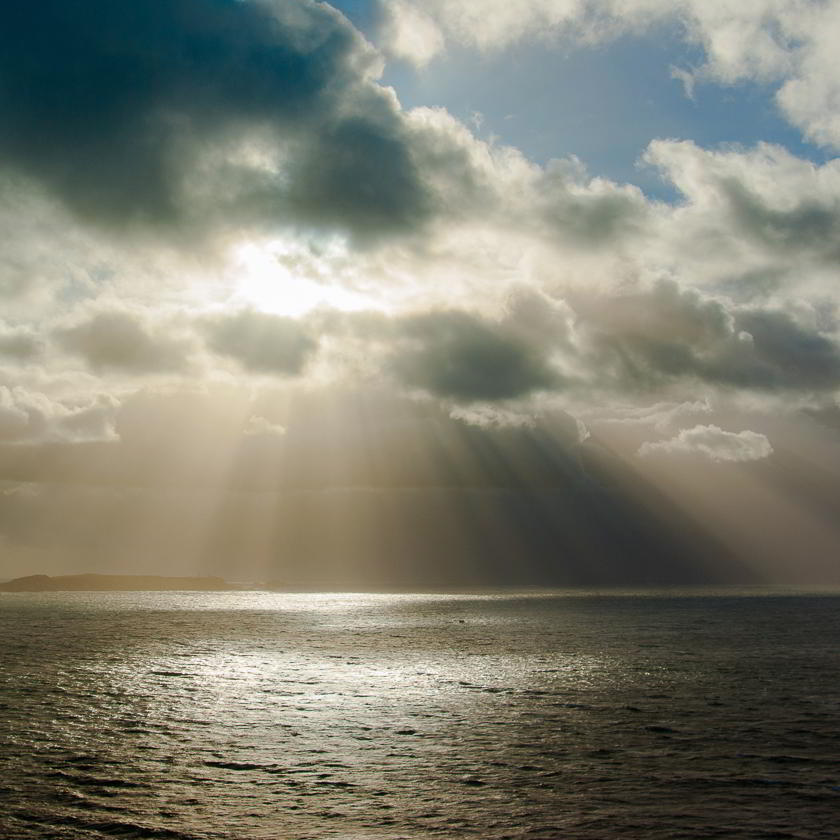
{"x":251,"y":715}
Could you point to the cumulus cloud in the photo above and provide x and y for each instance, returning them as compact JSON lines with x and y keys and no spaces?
{"x":410,"y":33}
{"x":589,"y":211}
{"x":714,"y":443}
{"x":809,"y":94}
{"x":486,"y":25}
{"x":31,"y":417}
{"x":764,"y":199}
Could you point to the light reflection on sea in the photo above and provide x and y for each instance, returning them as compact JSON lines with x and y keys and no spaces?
{"x":267,"y":715}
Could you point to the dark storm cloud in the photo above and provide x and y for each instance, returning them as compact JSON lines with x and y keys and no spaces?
{"x":107,"y":104}
{"x":121,"y":341}
{"x":260,"y":342}
{"x":462,"y":356}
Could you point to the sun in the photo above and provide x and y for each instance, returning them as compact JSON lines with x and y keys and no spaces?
{"x":286,"y":280}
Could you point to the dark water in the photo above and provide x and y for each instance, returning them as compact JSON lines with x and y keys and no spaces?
{"x":253,"y":715}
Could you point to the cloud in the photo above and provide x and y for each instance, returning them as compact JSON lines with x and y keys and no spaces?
{"x":809,"y":95}
{"x":261,"y":342}
{"x":650,"y":336}
{"x":661,"y":416}
{"x":687,"y":79}
{"x":763,"y":201}
{"x":485,"y":24}
{"x":714,"y":443}
{"x":359,"y":171}
{"x":491,"y":416}
{"x":121,"y":341}
{"x":784,"y":354}
{"x":30,"y":417}
{"x":261,"y":427}
{"x":589,"y":211}
{"x":458,"y":355}
{"x":20,"y":343}
{"x":410,"y":33}
{"x":659,"y":342}
{"x":166,"y":113}
{"x":641,"y":337}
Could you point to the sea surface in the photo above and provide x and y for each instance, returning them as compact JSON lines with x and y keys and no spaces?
{"x":253,"y":715}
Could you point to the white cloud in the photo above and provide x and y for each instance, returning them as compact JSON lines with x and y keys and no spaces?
{"x":410,"y":33}
{"x":661,"y":416}
{"x":810,"y":97}
{"x":31,"y":417}
{"x":490,"y":416}
{"x":487,"y":24}
{"x":686,"y":78}
{"x":258,"y":426}
{"x":714,"y":443}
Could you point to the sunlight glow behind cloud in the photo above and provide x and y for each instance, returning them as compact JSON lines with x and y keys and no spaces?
{"x":265,"y":276}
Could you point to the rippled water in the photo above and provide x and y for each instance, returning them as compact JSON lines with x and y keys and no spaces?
{"x":254,"y":715}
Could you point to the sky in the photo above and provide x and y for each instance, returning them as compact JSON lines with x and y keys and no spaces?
{"x":391,"y":293}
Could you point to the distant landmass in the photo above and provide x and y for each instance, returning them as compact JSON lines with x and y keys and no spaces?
{"x":114,"y":583}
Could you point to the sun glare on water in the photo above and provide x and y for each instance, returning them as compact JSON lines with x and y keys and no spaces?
{"x":265,"y":277}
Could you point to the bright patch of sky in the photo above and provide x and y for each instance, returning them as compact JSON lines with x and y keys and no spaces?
{"x":603,"y":103}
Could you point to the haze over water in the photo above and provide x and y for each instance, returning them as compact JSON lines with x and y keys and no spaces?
{"x":256,"y":715}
